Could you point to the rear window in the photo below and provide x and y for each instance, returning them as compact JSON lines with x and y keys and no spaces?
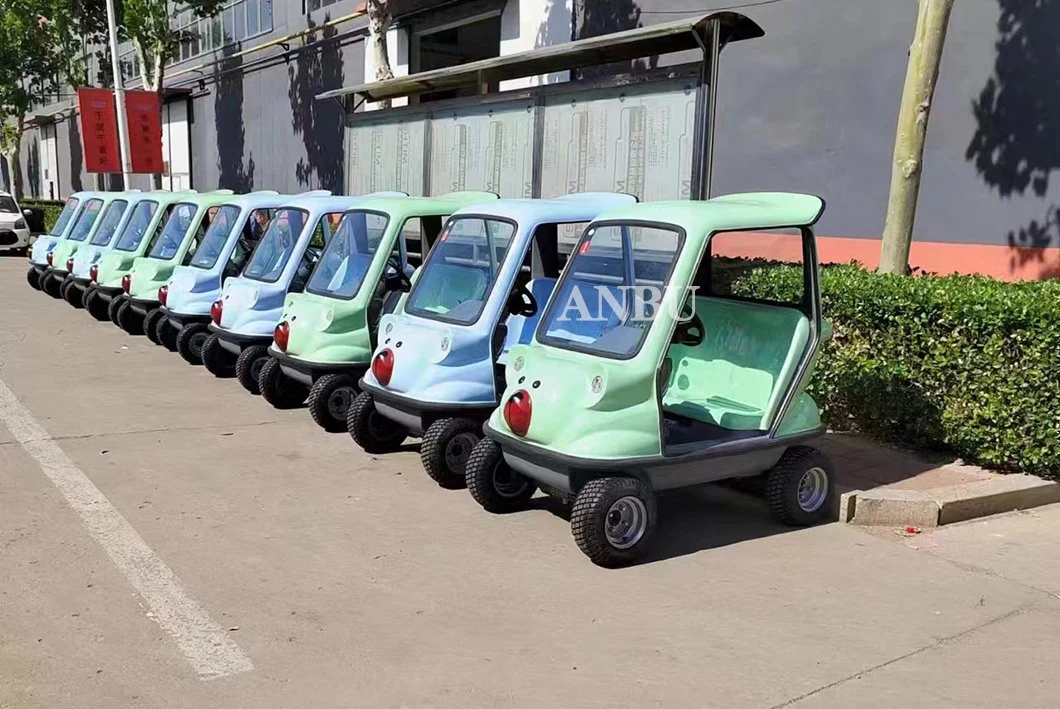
{"x":86,"y":219}
{"x":109,"y":224}
{"x":64,"y":217}
{"x":132,"y":234}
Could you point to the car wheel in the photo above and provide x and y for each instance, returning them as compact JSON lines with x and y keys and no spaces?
{"x":493,"y":483}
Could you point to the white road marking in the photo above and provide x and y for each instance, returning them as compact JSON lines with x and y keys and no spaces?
{"x":205,"y":644}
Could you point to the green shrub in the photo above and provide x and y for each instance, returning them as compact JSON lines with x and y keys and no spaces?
{"x":962,"y":364}
{"x":51,"y":208}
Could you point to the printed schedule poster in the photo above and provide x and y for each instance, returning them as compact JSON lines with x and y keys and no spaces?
{"x":489,"y":149}
{"x":635,"y":140}
{"x":385,"y":155}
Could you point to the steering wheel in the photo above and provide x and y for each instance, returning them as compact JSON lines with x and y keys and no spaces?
{"x":690,"y":330}
{"x":522,"y":302}
{"x":398,"y":278}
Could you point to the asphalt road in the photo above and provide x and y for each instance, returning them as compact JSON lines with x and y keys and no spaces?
{"x":167,"y":540}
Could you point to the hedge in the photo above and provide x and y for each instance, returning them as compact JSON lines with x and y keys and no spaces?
{"x":961,"y":364}
{"x":50,"y":208}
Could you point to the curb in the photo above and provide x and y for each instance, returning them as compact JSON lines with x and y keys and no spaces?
{"x":898,"y":507}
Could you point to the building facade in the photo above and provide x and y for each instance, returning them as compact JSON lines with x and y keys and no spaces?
{"x":809,"y":107}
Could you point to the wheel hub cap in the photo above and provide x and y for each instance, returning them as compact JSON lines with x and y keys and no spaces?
{"x":625,"y":522}
{"x":813,"y":489}
{"x":458,"y":449}
{"x":339,"y":402}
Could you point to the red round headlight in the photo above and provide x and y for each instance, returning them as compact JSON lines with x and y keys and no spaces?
{"x":280,"y":335}
{"x":162,"y":293}
{"x":93,"y":272}
{"x":517,"y":412}
{"x":70,"y":265}
{"x":50,"y":258}
{"x":215,"y":311}
{"x":126,"y":283}
{"x":383,"y":366}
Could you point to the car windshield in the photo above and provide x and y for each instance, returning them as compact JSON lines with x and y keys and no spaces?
{"x":64,"y":217}
{"x":7,"y":204}
{"x":168,"y":242}
{"x":86,"y":219}
{"x":603,"y":303}
{"x":349,"y":254}
{"x":136,"y":227}
{"x":213,"y":242}
{"x":110,"y":222}
{"x":461,"y":270}
{"x":275,"y":248}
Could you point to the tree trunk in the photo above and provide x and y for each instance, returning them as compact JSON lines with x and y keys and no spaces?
{"x":378,"y":26}
{"x":922,"y":71}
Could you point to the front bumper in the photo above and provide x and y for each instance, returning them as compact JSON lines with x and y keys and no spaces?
{"x":235,"y":342}
{"x":13,"y":238}
{"x":417,"y":415}
{"x":182,"y":319}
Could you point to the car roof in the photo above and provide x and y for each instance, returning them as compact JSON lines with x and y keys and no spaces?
{"x":571,"y":208}
{"x":259,"y":198}
{"x":442,"y":205}
{"x":735,"y":212}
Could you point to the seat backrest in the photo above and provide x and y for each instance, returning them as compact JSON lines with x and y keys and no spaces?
{"x":520,"y":328}
{"x":746,"y":360}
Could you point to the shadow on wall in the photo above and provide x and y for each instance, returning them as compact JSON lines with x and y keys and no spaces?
{"x":558,"y":27}
{"x":77,"y":158}
{"x":1017,"y":142}
{"x":593,"y":18}
{"x":322,"y":124}
{"x":33,"y":167}
{"x":228,"y":123}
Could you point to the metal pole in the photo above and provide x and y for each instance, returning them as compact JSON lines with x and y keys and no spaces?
{"x":712,"y":105}
{"x":119,"y":98}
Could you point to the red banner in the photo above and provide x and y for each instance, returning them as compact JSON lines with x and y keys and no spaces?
{"x":99,"y":130}
{"x":143,"y":111}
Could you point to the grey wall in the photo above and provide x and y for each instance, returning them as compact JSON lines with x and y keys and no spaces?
{"x":813,"y":105}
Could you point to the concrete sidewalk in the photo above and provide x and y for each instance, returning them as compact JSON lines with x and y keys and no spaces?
{"x":353,"y":581}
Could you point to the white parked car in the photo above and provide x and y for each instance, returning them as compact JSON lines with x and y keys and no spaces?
{"x":14,"y":231}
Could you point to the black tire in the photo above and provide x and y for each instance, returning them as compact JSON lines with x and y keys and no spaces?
{"x":788,"y":500}
{"x":446,"y":447}
{"x":151,"y":325}
{"x":52,"y":285}
{"x":492,"y":482}
{"x":330,"y":398}
{"x":217,"y":360}
{"x":72,"y":295}
{"x":95,"y":305}
{"x":130,"y":320}
{"x":113,"y":308}
{"x":248,"y":367}
{"x":372,"y":432}
{"x":189,"y":341}
{"x":166,"y":334}
{"x":278,"y":389}
{"x":595,"y":510}
{"x":33,"y":277}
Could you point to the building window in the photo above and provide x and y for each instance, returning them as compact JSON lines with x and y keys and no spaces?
{"x":311,"y":5}
{"x":453,"y":46}
{"x":238,"y":21}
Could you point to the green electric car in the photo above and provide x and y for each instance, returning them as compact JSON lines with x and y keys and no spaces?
{"x":649,"y":372}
